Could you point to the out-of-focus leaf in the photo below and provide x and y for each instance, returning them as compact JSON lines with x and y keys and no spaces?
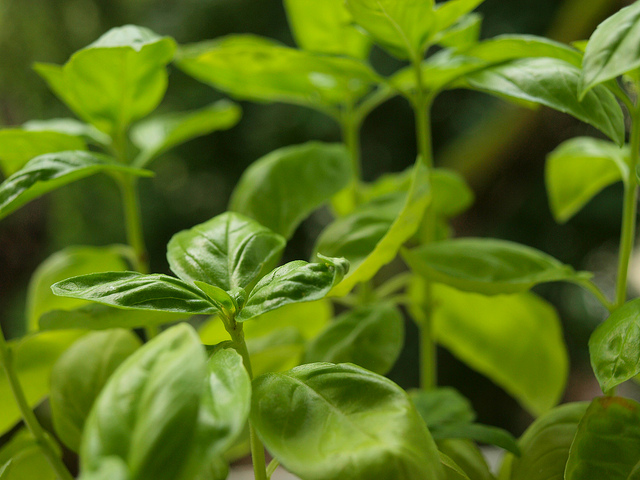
{"x":69,"y":126}
{"x":21,"y":458}
{"x":442,"y":406}
{"x":448,"y":13}
{"x":463,"y":34}
{"x":452,"y":469}
{"x":467,"y":456}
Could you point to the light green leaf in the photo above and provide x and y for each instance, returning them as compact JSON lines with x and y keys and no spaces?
{"x":118,"y":79}
{"x":69,"y":262}
{"x":18,"y":146}
{"x":372,"y":235}
{"x":229,"y":251}
{"x":21,"y":458}
{"x":451,"y":193}
{"x":324,"y":421}
{"x":137,"y":291}
{"x":79,"y":375}
{"x":294,"y":282}
{"x":448,"y":13}
{"x":69,"y":126}
{"x":480,"y":433}
{"x":326,"y":27}
{"x":580,"y":168}
{"x":111,"y":468}
{"x":488,"y":266}
{"x":51,"y":171}
{"x":147,"y":413}
{"x":545,"y":445}
{"x":467,"y":456}
{"x":282,"y":188}
{"x":33,"y":359}
{"x":463,"y":34}
{"x":156,"y":135}
{"x":613,"y":346}
{"x":370,"y":336}
{"x":442,"y":406}
{"x":612,"y":49}
{"x":452,"y":469}
{"x":607,"y":443}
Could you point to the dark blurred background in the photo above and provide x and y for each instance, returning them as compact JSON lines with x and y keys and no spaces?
{"x":500,"y":150}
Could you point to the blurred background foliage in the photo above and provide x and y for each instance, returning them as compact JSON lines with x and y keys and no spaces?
{"x":499,"y":148}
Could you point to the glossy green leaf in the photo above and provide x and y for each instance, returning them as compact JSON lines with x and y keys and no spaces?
{"x":545,"y":444}
{"x":553,"y":83}
{"x":370,"y":336}
{"x":70,"y":262}
{"x":326,"y":27}
{"x":254,"y":68}
{"x":372,"y":235}
{"x":448,"y":13}
{"x":69,"y":126}
{"x":79,"y":375}
{"x":463,"y":34}
{"x":146,"y":415}
{"x":21,"y":458}
{"x":282,"y":188}
{"x":613,"y":346}
{"x":156,"y":135}
{"x":402,"y":27}
{"x":580,"y":168}
{"x":607,"y":443}
{"x":294,"y":282}
{"x":229,"y":251}
{"x":467,"y":456}
{"x":18,"y":146}
{"x":33,"y":359}
{"x":613,"y":48}
{"x":324,"y":421}
{"x":137,"y":291}
{"x":118,"y":79}
{"x":442,"y":406}
{"x":51,"y":171}
{"x":488,"y":266}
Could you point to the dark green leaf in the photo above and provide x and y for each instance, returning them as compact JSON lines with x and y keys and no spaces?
{"x":49,"y":172}
{"x":21,"y":458}
{"x":480,"y":433}
{"x":325,"y":421}
{"x":229,"y":251}
{"x":282,"y":188}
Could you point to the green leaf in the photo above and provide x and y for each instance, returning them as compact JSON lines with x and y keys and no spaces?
{"x":607,"y":443}
{"x":229,"y":251}
{"x":515,"y":340}
{"x":111,"y":468}
{"x":79,"y":375}
{"x":553,"y":83}
{"x":480,"y":433}
{"x":18,"y":146}
{"x":370,"y":336}
{"x":448,"y":13}
{"x":452,"y":469}
{"x":282,"y":188}
{"x":612,"y":49}
{"x":69,"y":262}
{"x":158,"y":134}
{"x":146,"y":415}
{"x":451,"y":193}
{"x":325,"y":421}
{"x":21,"y":458}
{"x":467,"y":456}
{"x":137,"y":291}
{"x":488,"y":266}
{"x":580,"y":168}
{"x":118,"y":79}
{"x":51,"y":171}
{"x":33,"y":359}
{"x":326,"y":27}
{"x":463,"y":34}
{"x":402,"y":27}
{"x":294,"y":282}
{"x":372,"y":235}
{"x":442,"y":406}
{"x":545,"y":445}
{"x":69,"y":126}
{"x":613,"y":346}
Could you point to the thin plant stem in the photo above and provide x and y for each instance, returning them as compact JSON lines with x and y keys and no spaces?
{"x":133,"y":222}
{"x":30,"y":420}
{"x":272,"y":467}
{"x":350,"y":124}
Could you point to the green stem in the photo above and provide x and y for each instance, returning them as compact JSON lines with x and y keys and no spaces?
{"x":590,"y":286}
{"x":351,"y":124}
{"x":272,"y":467}
{"x":133,"y":221}
{"x":30,"y":420}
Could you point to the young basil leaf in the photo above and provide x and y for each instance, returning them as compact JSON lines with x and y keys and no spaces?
{"x":452,"y":469}
{"x":282,"y":188}
{"x":146,"y":415}
{"x":156,"y":135}
{"x":325,"y":421}
{"x":137,"y":291}
{"x":54,"y":170}
{"x":467,"y":456}
{"x":79,"y":375}
{"x":607,"y":443}
{"x":229,"y":251}
{"x":326,"y":27}
{"x":545,"y":445}
{"x":18,"y":146}
{"x":488,"y":266}
{"x":69,"y":126}
{"x":580,"y":168}
{"x":441,"y":407}
{"x":219,"y":297}
{"x":294,"y":282}
{"x":612,"y":49}
{"x":21,"y":458}
{"x":448,"y":13}
{"x":118,"y":79}
{"x":613,"y":346}
{"x":370,"y":336}
{"x":33,"y":359}
{"x":463,"y":34}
